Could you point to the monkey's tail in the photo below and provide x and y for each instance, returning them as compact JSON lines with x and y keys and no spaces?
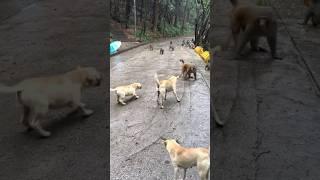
{"x":217,"y":118}
{"x":234,"y":3}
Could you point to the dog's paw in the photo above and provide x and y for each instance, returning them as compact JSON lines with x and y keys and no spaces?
{"x":137,"y":97}
{"x":178,"y":100}
{"x":45,"y":134}
{"x":88,"y":112}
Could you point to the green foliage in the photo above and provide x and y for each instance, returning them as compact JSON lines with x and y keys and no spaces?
{"x":263,"y":2}
{"x":169,"y":30}
{"x":145,"y":37}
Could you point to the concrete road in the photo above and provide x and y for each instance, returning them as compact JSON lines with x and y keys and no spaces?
{"x":271,"y":108}
{"x":40,"y":38}
{"x":136,"y":151}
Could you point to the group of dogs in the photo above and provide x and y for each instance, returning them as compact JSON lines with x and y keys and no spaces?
{"x":181,"y":157}
{"x":38,"y":95}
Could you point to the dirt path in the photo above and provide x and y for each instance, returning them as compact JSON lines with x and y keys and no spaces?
{"x":271,"y":107}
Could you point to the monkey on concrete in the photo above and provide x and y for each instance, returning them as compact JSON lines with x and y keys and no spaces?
{"x":249,"y":23}
{"x":312,"y":13}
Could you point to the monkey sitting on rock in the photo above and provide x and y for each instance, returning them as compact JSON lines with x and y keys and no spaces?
{"x":254,"y":22}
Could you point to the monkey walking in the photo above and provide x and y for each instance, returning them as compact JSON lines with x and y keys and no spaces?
{"x":150,"y":47}
{"x":171,"y":48}
{"x":312,"y":13}
{"x":161,"y":51}
{"x":255,"y":22}
{"x":188,"y":69}
{"x":183,"y":43}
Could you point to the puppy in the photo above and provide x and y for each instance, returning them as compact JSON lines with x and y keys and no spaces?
{"x":161,"y":51}
{"x":123,"y":91}
{"x":150,"y":47}
{"x":165,"y":86}
{"x":182,"y":157}
{"x":188,"y":69}
{"x":38,"y":95}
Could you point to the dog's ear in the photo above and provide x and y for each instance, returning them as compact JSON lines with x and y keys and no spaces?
{"x":177,"y":140}
{"x":163,"y":138}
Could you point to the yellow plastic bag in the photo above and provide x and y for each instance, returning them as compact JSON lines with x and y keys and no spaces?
{"x":205,"y":56}
{"x":198,"y":50}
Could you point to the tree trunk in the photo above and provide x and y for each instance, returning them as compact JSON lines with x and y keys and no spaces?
{"x":184,"y":16}
{"x":155,"y":15}
{"x":128,"y":11}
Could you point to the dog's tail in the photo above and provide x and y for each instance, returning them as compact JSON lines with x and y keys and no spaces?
{"x":234,"y":3}
{"x":113,"y":89}
{"x":156,"y":79}
{"x":10,"y":89}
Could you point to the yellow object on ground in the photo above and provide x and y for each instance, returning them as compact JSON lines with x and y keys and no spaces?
{"x":198,"y":50}
{"x":205,"y":56}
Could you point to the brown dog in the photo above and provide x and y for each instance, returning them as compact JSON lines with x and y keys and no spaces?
{"x":165,"y":86}
{"x":188,"y":69}
{"x":182,"y":157}
{"x":38,"y":95}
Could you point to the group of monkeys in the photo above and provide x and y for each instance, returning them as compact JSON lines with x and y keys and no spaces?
{"x":171,"y":48}
{"x":250,"y":22}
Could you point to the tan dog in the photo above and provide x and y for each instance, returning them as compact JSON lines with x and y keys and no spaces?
{"x":182,"y":157}
{"x":123,"y":91}
{"x":188,"y":69}
{"x":38,"y":95}
{"x":165,"y":86}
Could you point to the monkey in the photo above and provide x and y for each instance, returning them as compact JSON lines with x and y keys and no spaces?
{"x":171,"y":48}
{"x":207,"y":67}
{"x":312,"y":13}
{"x":161,"y":51}
{"x":188,"y":69}
{"x":183,"y":43}
{"x":150,"y":47}
{"x":254,"y":22}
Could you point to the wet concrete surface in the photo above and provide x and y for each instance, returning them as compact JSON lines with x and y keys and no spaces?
{"x":136,"y":151}
{"x":39,"y":38}
{"x":271,"y":108}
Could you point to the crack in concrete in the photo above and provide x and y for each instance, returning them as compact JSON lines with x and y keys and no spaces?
{"x":307,"y":68}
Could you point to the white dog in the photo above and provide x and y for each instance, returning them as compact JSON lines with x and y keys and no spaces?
{"x":38,"y":95}
{"x":185,"y":158}
{"x":128,"y":90}
{"x":165,"y":86}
